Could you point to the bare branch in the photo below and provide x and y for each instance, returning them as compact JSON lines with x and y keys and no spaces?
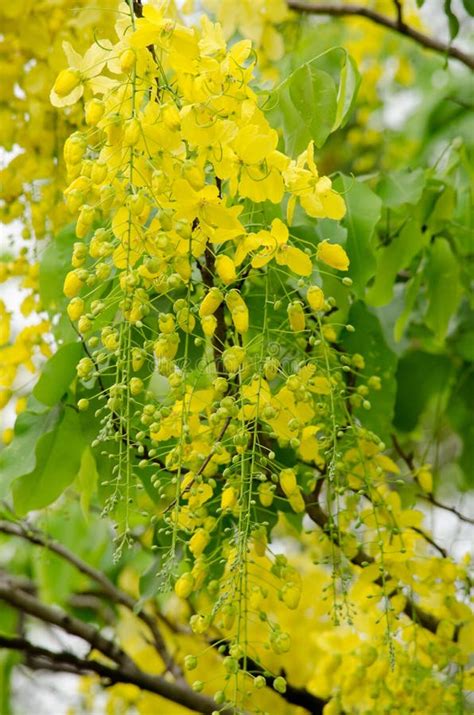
{"x":23,"y":601}
{"x":401,"y":28}
{"x":432,"y":500}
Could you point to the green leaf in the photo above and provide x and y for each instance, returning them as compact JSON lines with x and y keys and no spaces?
{"x":469,"y":6}
{"x":349,"y":84}
{"x":313,"y":93}
{"x":444,"y":291}
{"x":57,"y":374}
{"x":55,"y":263}
{"x":58,"y":459}
{"x":411,"y":293}
{"x":87,"y":480}
{"x":363,"y":213}
{"x":19,"y":457}
{"x":459,"y":412}
{"x":420,"y":376}
{"x":401,"y":187}
{"x":368,"y":340}
{"x":391,"y":259}
{"x":453,"y":22}
{"x":8,"y":659}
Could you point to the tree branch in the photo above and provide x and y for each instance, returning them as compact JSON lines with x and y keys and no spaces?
{"x":40,"y":658}
{"x":114,"y":593}
{"x":398,"y":26}
{"x":25,"y":602}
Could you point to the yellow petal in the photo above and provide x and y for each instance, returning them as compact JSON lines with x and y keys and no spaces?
{"x":296,"y":260}
{"x":333,"y":255}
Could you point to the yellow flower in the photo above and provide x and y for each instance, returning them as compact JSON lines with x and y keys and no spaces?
{"x":265,"y":494}
{"x":7,"y":435}
{"x":288,"y":481}
{"x":229,"y":498}
{"x":69,"y":85}
{"x":315,"y":298}
{"x":66,"y":81}
{"x":211,"y":302}
{"x":72,"y":284}
{"x":198,"y":542}
{"x":315,"y":193}
{"x":238,"y":310}
{"x":296,"y":316}
{"x":75,"y":308}
{"x":184,"y":585}
{"x":225,"y":269}
{"x":333,"y":255}
{"x":273,"y":244}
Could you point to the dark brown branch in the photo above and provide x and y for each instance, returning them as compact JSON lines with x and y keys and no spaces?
{"x":399,"y":11}
{"x":401,"y":28}
{"x":114,"y":593}
{"x":432,"y":500}
{"x":429,"y":540}
{"x":27,"y":603}
{"x":40,"y":658}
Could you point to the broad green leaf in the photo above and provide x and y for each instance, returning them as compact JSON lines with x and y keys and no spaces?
{"x":401,"y":187}
{"x":444,"y":291}
{"x":55,"y":263}
{"x":349,"y":83}
{"x":19,"y":457}
{"x":380,"y":360}
{"x":391,"y":259}
{"x":363,"y":213}
{"x":58,"y":458}
{"x":57,"y":374}
{"x":313,"y":94}
{"x":420,"y":376}
{"x":87,"y":480}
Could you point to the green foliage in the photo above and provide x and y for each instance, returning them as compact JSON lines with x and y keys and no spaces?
{"x":57,"y":374}
{"x":316,"y":99}
{"x":57,"y":461}
{"x":20,"y":457}
{"x":368,"y":340}
{"x":363,"y":214}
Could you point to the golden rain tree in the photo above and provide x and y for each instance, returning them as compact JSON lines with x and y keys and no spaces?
{"x":236,"y":355}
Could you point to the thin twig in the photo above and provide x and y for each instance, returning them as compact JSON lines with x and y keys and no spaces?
{"x":410,"y":462}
